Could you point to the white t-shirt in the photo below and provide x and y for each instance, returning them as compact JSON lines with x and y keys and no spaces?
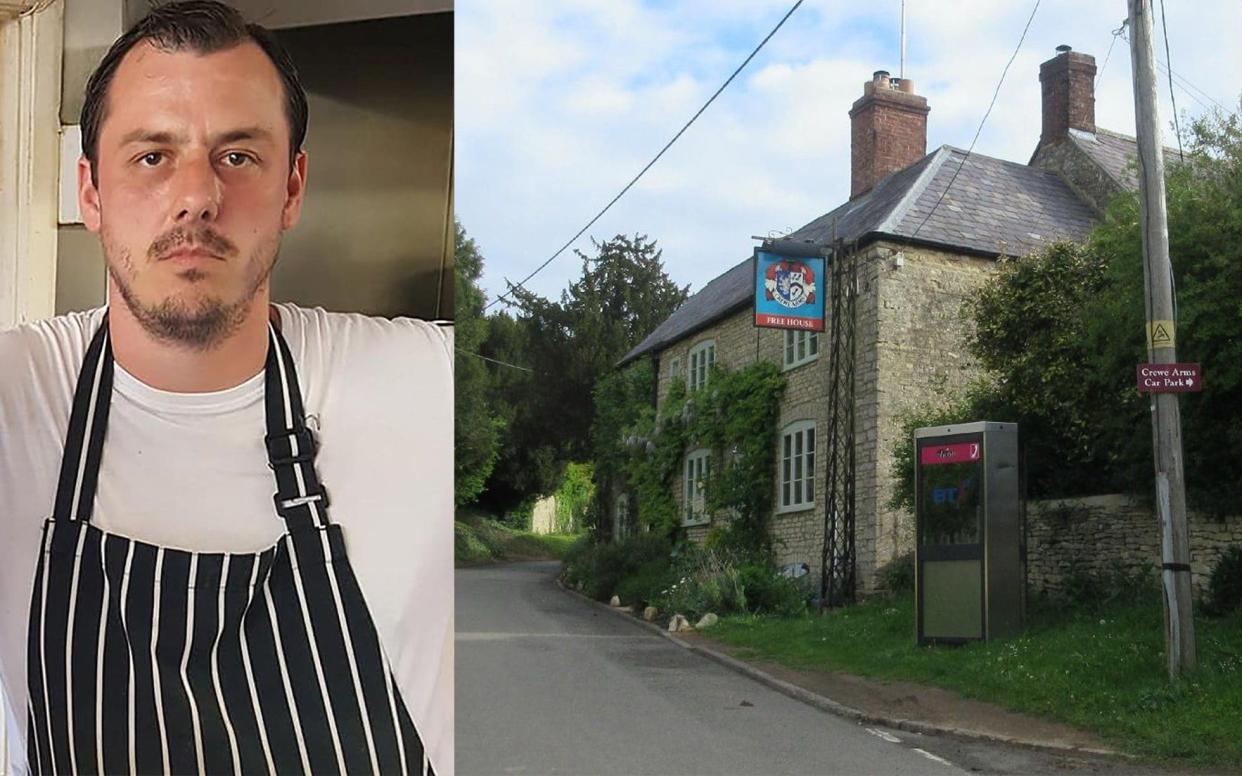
{"x":190,"y":471}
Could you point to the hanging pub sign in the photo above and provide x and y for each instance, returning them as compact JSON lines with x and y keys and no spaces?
{"x":789,"y":291}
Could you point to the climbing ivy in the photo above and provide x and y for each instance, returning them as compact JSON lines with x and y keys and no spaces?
{"x":734,"y":416}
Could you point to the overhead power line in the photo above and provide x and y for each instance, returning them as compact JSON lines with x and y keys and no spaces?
{"x":1116,"y":34}
{"x":986,"y":113}
{"x":1185,"y":83}
{"x":656,"y":158}
{"x":495,"y":360}
{"x":1177,"y":128}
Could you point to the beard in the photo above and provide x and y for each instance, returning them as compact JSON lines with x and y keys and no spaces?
{"x":192,"y":319}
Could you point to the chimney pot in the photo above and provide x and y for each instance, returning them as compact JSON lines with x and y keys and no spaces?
{"x":888,"y":130}
{"x":1068,"y":85}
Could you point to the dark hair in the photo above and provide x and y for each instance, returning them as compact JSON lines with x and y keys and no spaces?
{"x":204,"y":26}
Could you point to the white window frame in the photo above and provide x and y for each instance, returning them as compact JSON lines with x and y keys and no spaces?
{"x":674,"y":368}
{"x":801,"y":347}
{"x":695,"y":475}
{"x":702,"y":358}
{"x":795,"y":489}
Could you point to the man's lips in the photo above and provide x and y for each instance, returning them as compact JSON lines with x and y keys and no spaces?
{"x":189,"y":255}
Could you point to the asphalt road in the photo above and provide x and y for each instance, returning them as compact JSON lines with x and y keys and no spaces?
{"x":547,"y":684}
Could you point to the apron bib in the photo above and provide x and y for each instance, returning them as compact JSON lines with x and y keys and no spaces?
{"x":148,"y":659}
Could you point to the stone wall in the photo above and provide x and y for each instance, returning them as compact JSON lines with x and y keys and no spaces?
{"x":543,"y":516}
{"x":910,"y":349}
{"x":913,"y":352}
{"x":797,"y":535}
{"x":1102,"y":535}
{"x":1088,"y":179}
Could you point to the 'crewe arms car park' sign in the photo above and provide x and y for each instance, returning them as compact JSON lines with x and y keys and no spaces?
{"x":1170,"y":378}
{"x":789,"y":291}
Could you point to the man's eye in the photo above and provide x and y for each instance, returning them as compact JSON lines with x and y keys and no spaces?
{"x":237,"y":159}
{"x":152,"y":159}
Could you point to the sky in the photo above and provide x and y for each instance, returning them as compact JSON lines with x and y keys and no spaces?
{"x":559,"y":103}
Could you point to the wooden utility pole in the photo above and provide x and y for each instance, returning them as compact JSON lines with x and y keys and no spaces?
{"x":1179,"y":624}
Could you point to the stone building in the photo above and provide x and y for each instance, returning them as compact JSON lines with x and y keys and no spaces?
{"x":923,"y":246}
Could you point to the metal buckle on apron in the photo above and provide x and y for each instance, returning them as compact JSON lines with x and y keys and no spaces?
{"x":284,"y":505}
{"x":280,"y":447}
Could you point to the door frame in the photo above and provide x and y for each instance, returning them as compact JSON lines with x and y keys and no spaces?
{"x":31,"y":52}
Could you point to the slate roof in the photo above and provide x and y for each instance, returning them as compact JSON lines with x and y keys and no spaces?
{"x":1115,"y":153}
{"x":993,"y":207}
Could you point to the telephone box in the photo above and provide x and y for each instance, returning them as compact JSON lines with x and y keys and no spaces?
{"x":970,"y":562}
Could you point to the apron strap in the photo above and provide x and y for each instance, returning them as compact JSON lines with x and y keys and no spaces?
{"x":300,"y":499}
{"x":291,"y":447}
{"x":88,"y":421}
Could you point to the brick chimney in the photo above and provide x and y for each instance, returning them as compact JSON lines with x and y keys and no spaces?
{"x":1068,"y":82}
{"x":888,"y":131}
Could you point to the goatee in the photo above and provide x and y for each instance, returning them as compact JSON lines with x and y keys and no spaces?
{"x":194,"y":321}
{"x":201,"y":326}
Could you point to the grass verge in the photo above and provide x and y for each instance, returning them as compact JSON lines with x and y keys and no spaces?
{"x":1100,"y":669}
{"x":479,"y":539}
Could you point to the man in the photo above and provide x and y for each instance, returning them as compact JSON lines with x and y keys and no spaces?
{"x":172,"y":615}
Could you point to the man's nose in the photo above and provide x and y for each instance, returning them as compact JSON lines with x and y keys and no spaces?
{"x":198,"y":190}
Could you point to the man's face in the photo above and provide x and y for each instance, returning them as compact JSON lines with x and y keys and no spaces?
{"x":194,"y":188}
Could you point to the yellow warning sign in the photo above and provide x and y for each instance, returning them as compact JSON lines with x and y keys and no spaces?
{"x":1160,"y":334}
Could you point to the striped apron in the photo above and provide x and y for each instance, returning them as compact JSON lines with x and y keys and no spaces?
{"x":147,"y":659}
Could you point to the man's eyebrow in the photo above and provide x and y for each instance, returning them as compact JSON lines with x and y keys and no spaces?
{"x":170,"y":138}
{"x":151,"y":136}
{"x":244,"y":133}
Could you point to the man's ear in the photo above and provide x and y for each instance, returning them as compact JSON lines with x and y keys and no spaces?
{"x":88,"y":196}
{"x":295,"y":192}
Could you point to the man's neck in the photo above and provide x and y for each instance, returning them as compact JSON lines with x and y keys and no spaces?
{"x":171,"y":367}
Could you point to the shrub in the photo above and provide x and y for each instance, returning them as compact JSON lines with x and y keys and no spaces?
{"x":767,"y":591}
{"x":647,"y":583}
{"x":1224,"y":591}
{"x":713,"y":580}
{"x":898,"y":575}
{"x":705,"y":581}
{"x":467,"y":547}
{"x":598,"y":568}
{"x":1118,"y":583}
{"x":573,"y":498}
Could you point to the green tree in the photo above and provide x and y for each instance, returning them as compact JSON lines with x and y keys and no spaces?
{"x":526,"y":466}
{"x":1204,"y":195}
{"x":622,"y":397}
{"x":1027,"y":331}
{"x":1060,"y":333}
{"x":477,"y":429}
{"x":621,"y":296}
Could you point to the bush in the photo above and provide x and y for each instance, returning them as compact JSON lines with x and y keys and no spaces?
{"x":705,"y":581}
{"x":643,"y":570}
{"x":1118,"y":583}
{"x":597,"y":569}
{"x":647,"y":583}
{"x":712,"y":580}
{"x":467,"y":547}
{"x":1224,"y":591}
{"x":898,"y":576}
{"x":767,"y":591}
{"x":573,"y":498}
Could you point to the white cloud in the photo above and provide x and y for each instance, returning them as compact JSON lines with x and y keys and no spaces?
{"x":560,"y":103}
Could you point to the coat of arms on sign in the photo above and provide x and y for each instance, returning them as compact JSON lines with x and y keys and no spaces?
{"x":790,"y":284}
